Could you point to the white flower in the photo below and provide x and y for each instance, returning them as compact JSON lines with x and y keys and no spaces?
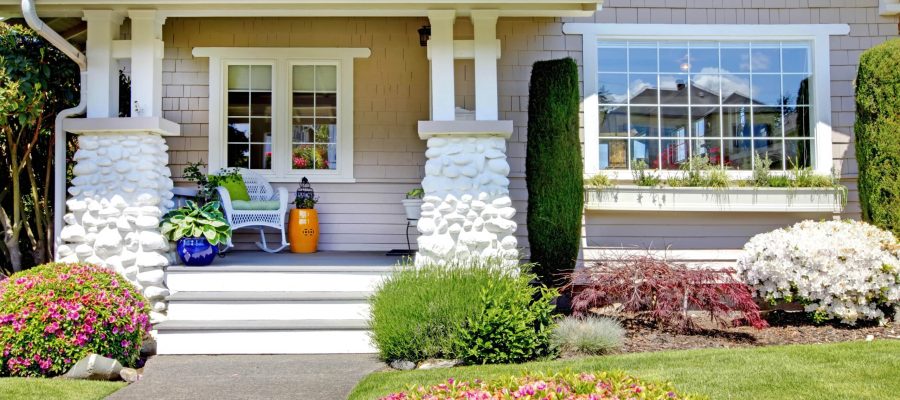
{"x":844,"y":269}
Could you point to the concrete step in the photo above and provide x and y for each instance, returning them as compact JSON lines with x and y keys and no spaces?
{"x":275,"y":278}
{"x":301,"y":336}
{"x":236,"y":306}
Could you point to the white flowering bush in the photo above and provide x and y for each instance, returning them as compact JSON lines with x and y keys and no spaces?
{"x":848,"y":270}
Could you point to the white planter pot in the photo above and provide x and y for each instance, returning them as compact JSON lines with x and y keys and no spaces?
{"x":639,"y":198}
{"x":413,"y":208}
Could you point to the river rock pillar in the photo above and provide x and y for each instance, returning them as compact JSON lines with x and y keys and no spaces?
{"x":120,"y":190}
{"x":467,"y":213}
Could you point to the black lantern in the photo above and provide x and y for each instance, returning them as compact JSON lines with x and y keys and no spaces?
{"x":424,"y":35}
{"x":305,"y":195}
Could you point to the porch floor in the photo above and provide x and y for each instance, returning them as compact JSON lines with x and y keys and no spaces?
{"x":286,"y":261}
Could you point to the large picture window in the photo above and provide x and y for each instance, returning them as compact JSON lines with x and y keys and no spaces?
{"x":283,"y":112}
{"x":662,"y":102}
{"x":659,"y":94}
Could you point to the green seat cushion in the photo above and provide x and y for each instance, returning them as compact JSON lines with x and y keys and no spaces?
{"x":269,"y":205}
{"x":236,"y":188}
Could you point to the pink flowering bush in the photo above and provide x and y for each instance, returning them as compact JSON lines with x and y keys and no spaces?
{"x":53,"y":315}
{"x":568,"y":386}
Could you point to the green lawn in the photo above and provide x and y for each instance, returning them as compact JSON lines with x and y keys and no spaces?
{"x":855,"y":370}
{"x":55,"y":389}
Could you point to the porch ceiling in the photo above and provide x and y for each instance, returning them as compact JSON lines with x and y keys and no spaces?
{"x":313,"y":8}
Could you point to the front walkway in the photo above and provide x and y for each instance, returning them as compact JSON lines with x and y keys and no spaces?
{"x":325,"y":377}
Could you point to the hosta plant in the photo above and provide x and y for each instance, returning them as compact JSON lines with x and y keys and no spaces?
{"x":558,"y":386}
{"x":53,"y":315}
{"x":662,"y":292}
{"x":847,"y":270}
{"x":194,"y":221}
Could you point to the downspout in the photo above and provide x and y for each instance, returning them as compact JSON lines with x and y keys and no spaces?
{"x":59,"y":142}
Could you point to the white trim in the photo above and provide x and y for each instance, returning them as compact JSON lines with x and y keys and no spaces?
{"x":486,"y":54}
{"x":889,"y":7}
{"x":817,"y":35}
{"x":282,"y":59}
{"x":441,"y":46}
{"x":103,"y":77}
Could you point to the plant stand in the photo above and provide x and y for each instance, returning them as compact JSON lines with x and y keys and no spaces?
{"x":410,"y":223}
{"x":303,"y":231}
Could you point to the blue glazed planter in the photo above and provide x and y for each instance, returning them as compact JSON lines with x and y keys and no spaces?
{"x":196,"y":252}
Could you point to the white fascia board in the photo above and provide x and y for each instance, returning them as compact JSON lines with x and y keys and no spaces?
{"x":688,"y":31}
{"x":317,"y":8}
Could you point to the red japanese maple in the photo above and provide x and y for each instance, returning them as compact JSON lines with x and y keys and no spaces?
{"x":662,"y":292}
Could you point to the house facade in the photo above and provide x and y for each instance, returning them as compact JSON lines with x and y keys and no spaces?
{"x":370,"y":99}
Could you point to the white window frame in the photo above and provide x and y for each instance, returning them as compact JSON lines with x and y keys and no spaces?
{"x":283,"y":61}
{"x":818,"y":35}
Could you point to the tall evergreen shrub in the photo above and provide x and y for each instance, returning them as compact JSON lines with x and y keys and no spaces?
{"x":554,"y":169}
{"x":878,"y":135}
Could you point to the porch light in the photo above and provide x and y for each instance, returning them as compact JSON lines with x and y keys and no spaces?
{"x":424,"y":35}
{"x":304,"y":192}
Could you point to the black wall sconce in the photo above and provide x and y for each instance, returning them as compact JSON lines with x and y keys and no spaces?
{"x":424,"y":35}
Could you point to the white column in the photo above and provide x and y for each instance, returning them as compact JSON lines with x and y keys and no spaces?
{"x":146,"y":63}
{"x":103,"y":75}
{"x":485,"y":23}
{"x":443,"y":88}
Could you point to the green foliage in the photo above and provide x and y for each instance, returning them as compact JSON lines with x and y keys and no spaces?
{"x":416,"y":193}
{"x":305,"y":203}
{"x":697,"y":172}
{"x":53,"y":315}
{"x":36,"y":82}
{"x":421,"y":312}
{"x":513,"y":325}
{"x":598,"y":181}
{"x":195,"y":221}
{"x":878,"y":135}
{"x":591,"y":335}
{"x":554,"y":169}
{"x":641,"y":176}
{"x":207,"y":184}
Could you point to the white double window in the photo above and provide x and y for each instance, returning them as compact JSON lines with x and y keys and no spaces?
{"x":284,"y":113}
{"x":657,"y":95}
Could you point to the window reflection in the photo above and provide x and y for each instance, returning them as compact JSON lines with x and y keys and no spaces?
{"x":723,"y":100}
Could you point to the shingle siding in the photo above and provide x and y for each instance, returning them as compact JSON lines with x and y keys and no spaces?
{"x":391,"y":95}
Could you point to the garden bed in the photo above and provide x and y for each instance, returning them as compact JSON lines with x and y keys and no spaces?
{"x":786,"y":328}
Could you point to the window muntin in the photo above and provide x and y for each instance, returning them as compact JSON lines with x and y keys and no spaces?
{"x":314,"y":113}
{"x":664,"y":101}
{"x":249,"y":104}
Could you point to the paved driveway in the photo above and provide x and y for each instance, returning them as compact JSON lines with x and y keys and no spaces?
{"x":325,"y":377}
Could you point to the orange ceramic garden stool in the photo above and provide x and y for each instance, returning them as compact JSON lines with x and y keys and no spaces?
{"x":303,"y":230}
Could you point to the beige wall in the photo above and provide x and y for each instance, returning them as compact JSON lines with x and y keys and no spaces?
{"x":391,"y":94}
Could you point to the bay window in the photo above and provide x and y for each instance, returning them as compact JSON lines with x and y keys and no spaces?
{"x":658,"y":95}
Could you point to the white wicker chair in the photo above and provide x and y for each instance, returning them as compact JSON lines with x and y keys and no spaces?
{"x":259,"y":190}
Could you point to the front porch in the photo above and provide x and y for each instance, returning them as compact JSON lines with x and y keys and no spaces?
{"x":260,"y":303}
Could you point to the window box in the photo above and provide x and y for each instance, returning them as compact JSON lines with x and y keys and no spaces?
{"x":641,"y":198}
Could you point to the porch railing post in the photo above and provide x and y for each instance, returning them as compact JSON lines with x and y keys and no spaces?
{"x":440,"y":47}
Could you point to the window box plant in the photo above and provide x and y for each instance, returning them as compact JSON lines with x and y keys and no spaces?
{"x":197,"y":230}
{"x":413,"y":203}
{"x":701,"y":187}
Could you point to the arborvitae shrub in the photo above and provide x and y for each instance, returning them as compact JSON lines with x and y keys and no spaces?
{"x":554,"y":169}
{"x":878,"y":135}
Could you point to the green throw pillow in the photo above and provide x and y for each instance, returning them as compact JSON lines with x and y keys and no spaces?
{"x":236,"y":188}
{"x":256,"y":205}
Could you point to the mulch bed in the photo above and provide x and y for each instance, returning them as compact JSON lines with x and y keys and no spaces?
{"x":785,"y":328}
